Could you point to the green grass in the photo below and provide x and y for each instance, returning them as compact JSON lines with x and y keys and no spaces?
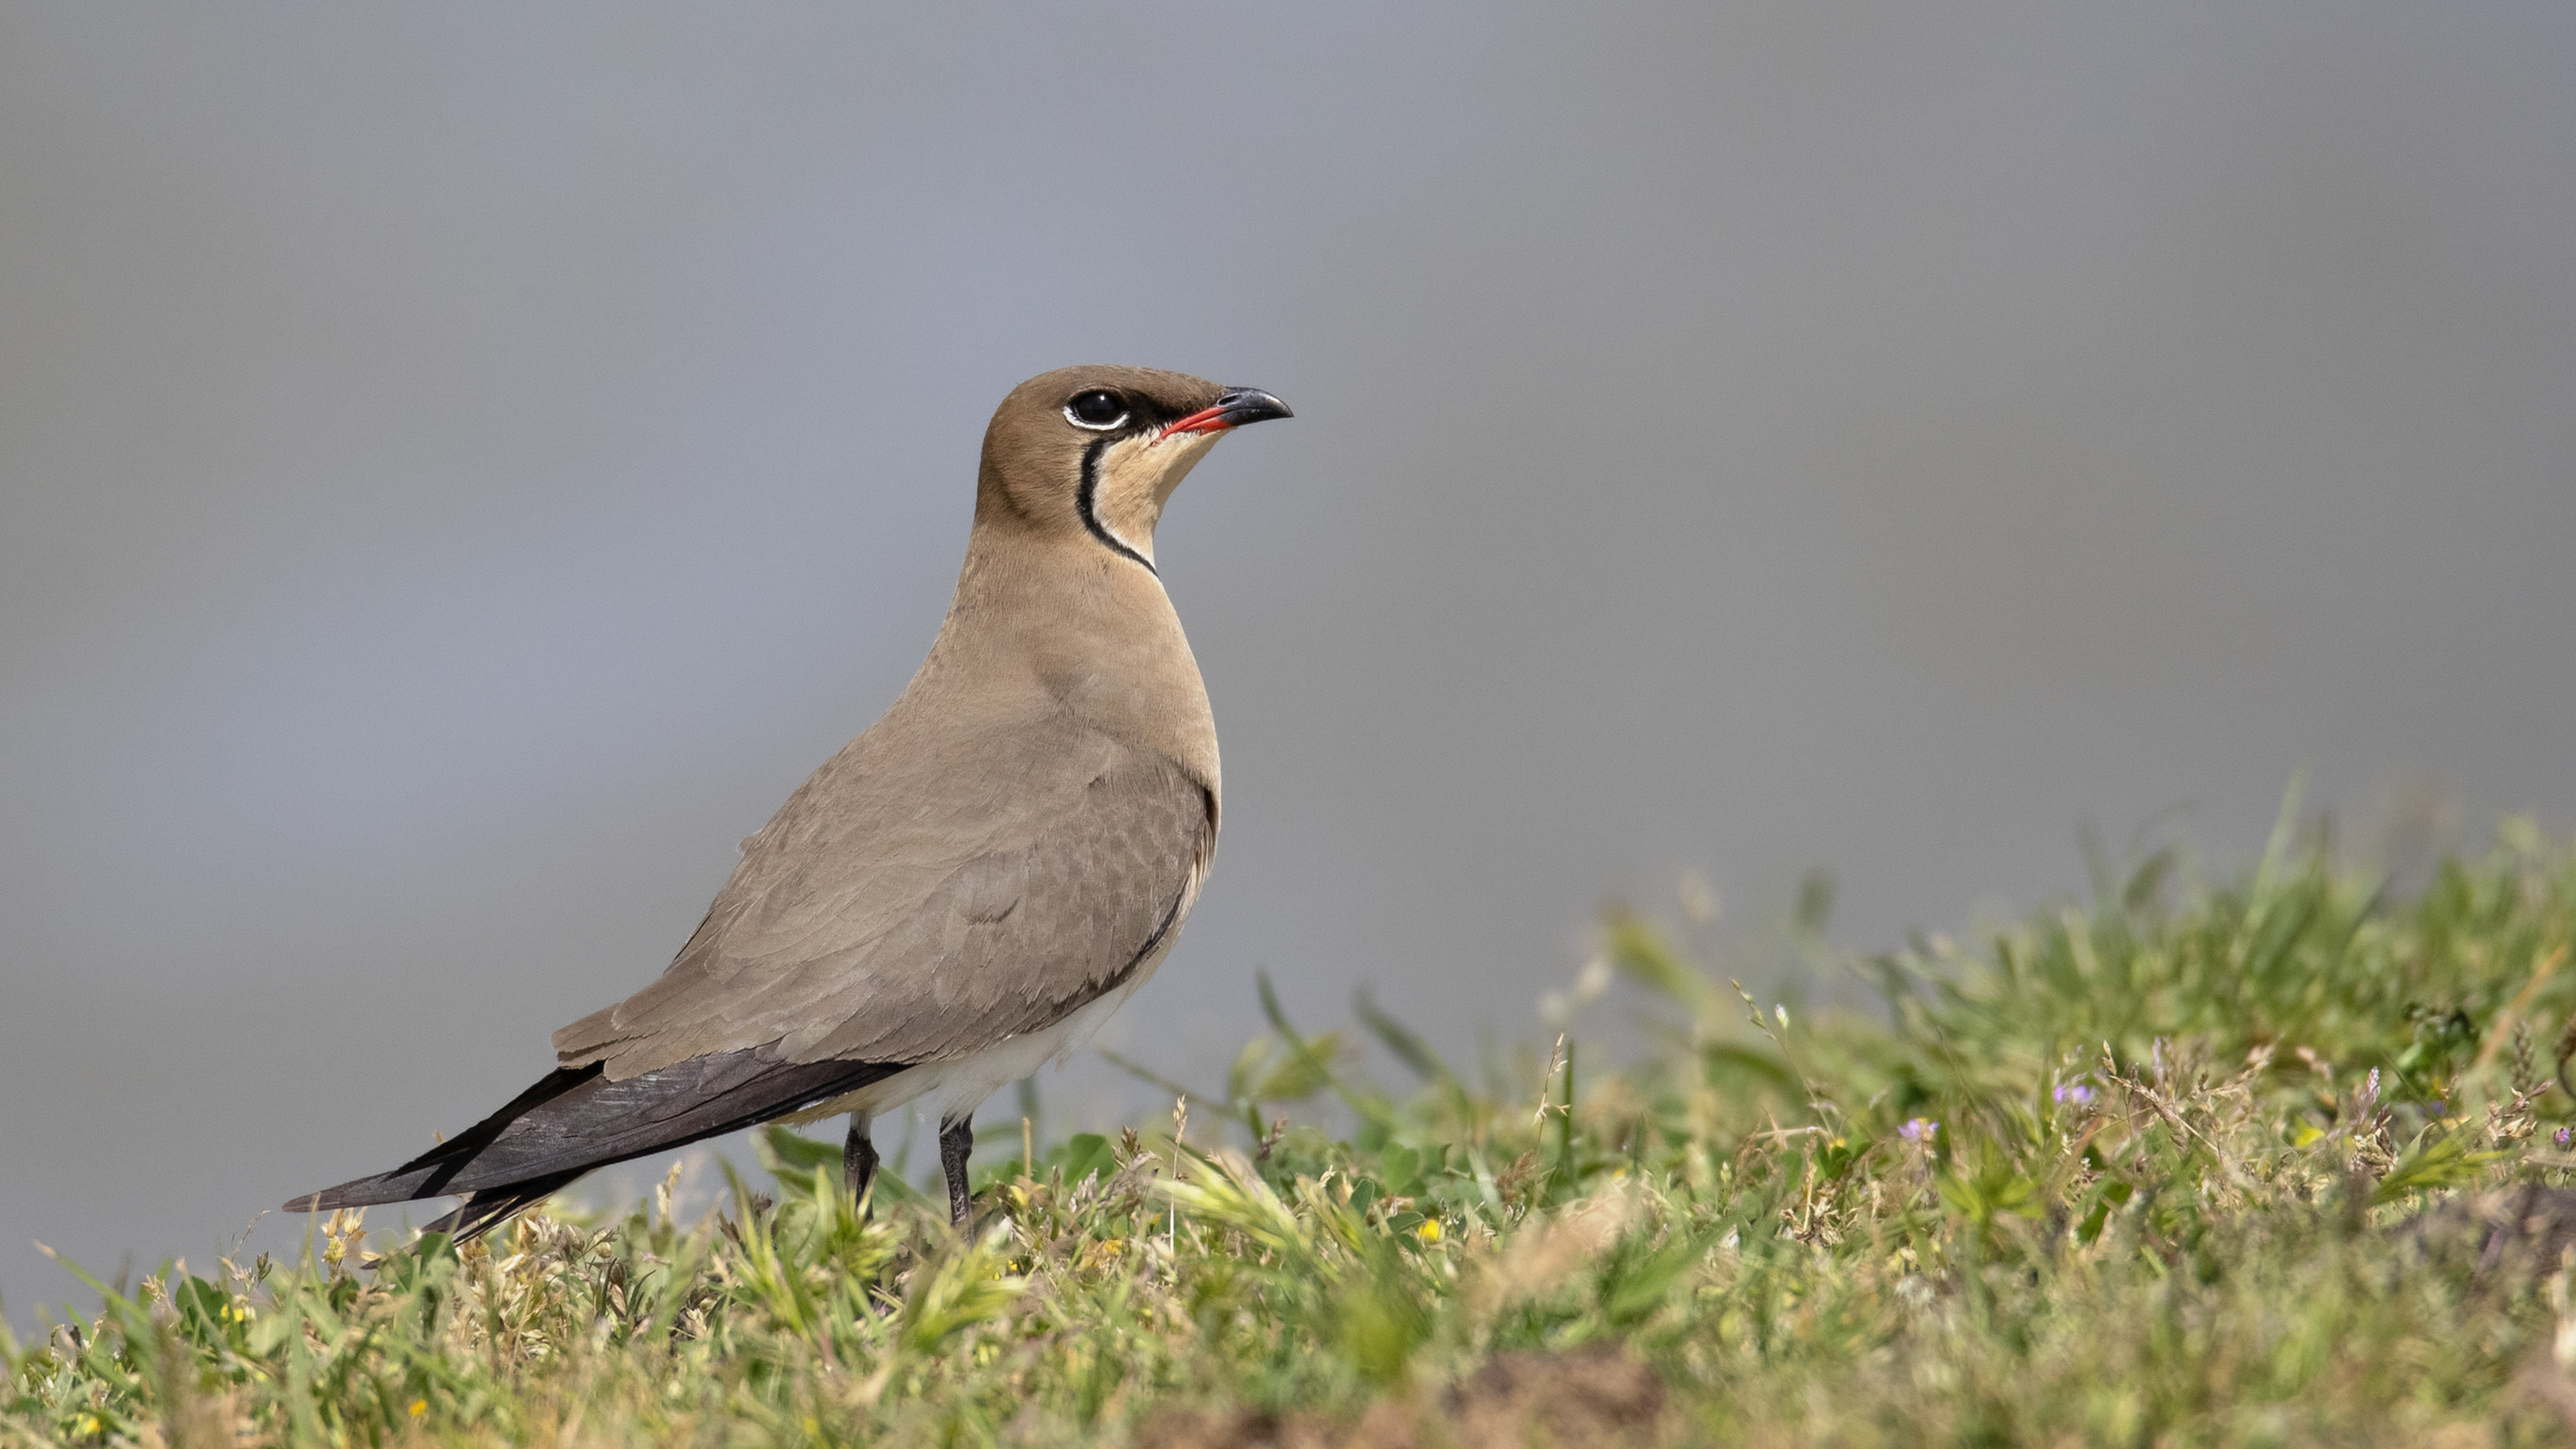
{"x":2155,"y":1170}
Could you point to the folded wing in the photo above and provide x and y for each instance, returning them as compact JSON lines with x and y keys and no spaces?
{"x":869,"y":928}
{"x":870,"y":921}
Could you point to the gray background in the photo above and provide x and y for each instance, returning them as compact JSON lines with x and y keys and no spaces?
{"x":464,"y":465}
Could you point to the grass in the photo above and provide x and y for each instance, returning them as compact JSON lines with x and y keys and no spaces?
{"x":2194,"y":1163}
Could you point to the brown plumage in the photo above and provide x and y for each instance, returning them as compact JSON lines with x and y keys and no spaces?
{"x":966,"y":889}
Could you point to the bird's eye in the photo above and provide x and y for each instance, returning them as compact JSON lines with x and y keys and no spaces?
{"x":1098,"y":410}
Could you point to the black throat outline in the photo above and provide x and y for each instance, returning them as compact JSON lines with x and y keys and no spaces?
{"x":1085,"y":502}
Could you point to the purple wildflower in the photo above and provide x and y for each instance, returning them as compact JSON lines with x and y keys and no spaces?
{"x":2074,"y":1093}
{"x":1917,"y":1129}
{"x":2565,"y":1136}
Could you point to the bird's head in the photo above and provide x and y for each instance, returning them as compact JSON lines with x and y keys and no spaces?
{"x":1090,"y":454}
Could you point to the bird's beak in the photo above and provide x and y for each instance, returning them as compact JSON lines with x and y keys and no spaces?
{"x":1239,"y":405}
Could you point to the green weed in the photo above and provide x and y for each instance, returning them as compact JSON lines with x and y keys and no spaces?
{"x":2272,"y":1161}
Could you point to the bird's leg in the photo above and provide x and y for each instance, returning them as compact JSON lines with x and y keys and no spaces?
{"x":956,"y":1139}
{"x":859,"y":1158}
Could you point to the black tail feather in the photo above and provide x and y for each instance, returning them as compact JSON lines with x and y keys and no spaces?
{"x":577,"y":1119}
{"x":483,"y":1211}
{"x":428,"y":1174}
{"x":455,"y":1152}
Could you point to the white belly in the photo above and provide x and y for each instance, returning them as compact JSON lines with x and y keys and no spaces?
{"x":952,"y":1089}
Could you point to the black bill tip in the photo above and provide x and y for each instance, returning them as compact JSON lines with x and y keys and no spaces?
{"x":1233,"y":408}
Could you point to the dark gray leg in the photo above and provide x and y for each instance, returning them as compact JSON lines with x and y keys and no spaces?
{"x":956,"y":1139}
{"x":859,"y":1158}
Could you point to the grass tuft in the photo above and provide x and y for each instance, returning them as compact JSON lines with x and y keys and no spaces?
{"x":2278,"y":1160}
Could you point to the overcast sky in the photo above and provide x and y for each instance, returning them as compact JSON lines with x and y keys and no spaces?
{"x":461,"y":466}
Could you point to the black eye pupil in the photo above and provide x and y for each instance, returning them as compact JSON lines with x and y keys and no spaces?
{"x":1097,"y":407}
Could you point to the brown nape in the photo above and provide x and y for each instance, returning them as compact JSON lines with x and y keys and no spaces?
{"x":1032,"y":466}
{"x":962,"y":892}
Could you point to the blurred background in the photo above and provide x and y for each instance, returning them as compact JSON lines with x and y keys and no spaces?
{"x":461,"y":466}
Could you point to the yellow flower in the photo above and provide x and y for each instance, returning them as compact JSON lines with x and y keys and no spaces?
{"x":1429,"y":1232}
{"x":419,"y":1407}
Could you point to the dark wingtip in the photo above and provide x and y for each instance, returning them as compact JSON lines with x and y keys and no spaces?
{"x":374,"y":1191}
{"x":327,"y":1200}
{"x":481,"y":1212}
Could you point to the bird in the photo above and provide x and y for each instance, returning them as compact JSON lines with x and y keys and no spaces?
{"x":962,"y":893}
